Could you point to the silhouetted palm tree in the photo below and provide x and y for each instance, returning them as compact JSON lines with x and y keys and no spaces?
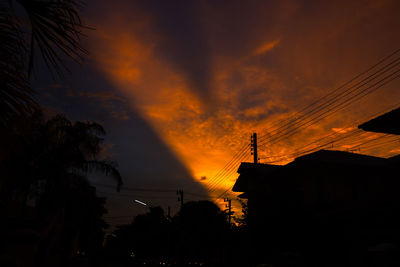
{"x":50,"y":160}
{"x":68,"y":151}
{"x":72,"y":149}
{"x":15,"y":92}
{"x":54,"y":28}
{"x":54,"y":151}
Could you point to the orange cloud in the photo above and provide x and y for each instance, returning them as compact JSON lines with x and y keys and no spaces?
{"x":267,"y":47}
{"x":250,"y":92}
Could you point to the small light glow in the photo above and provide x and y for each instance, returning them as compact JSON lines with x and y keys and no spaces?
{"x":140,"y":202}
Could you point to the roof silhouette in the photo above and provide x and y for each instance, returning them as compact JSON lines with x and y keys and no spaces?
{"x":251,"y":171}
{"x":386,"y":123}
{"x":340,"y":157}
{"x":255,"y":176}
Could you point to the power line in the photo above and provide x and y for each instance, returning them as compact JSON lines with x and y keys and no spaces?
{"x":353,"y":134}
{"x":233,"y":170}
{"x":291,"y":120}
{"x":370,"y":140}
{"x":134,"y":195}
{"x":297,"y":150}
{"x":300,"y":153}
{"x":355,"y":130}
{"x":229,"y":164}
{"x":336,"y":107}
{"x":287,"y":127}
{"x":380,"y":144}
{"x":275,"y":141}
{"x":338,"y":102}
{"x":219,"y":178}
{"x":222,"y":180}
{"x":335,"y":90}
{"x":137,"y":189}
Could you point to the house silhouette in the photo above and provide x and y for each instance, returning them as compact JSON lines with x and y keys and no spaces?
{"x":327,"y":206}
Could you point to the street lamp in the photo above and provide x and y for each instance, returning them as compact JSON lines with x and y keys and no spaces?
{"x":140,"y":202}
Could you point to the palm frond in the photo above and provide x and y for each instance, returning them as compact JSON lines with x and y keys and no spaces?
{"x":15,"y":92}
{"x":56,"y":27}
{"x":91,"y":127}
{"x":106,"y":167}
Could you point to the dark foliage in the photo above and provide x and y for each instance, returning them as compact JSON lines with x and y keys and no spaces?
{"x":15,"y":92}
{"x":54,"y":28}
{"x":44,"y":189}
{"x":199,"y":233}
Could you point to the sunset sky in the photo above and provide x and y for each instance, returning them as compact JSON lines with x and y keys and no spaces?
{"x":181,"y":85}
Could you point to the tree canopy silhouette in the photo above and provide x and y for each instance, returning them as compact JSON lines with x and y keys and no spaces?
{"x":146,"y":238}
{"x":197,"y":233}
{"x":47,"y":161}
{"x":202,"y":229}
{"x":52,"y":150}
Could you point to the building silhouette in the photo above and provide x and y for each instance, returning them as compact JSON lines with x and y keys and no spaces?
{"x":387,"y":123}
{"x":326,"y":207}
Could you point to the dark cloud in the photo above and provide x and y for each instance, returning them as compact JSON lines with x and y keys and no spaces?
{"x":182,"y":41}
{"x":142,"y":157}
{"x":264,"y":60}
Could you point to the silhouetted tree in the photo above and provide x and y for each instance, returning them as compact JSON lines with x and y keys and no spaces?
{"x":150,"y":234}
{"x":51,"y":151}
{"x":240,"y":245}
{"x":50,"y":159}
{"x":146,"y":238}
{"x":15,"y":91}
{"x":51,"y":26}
{"x":74,"y":228}
{"x":200,"y":232}
{"x":242,"y":221}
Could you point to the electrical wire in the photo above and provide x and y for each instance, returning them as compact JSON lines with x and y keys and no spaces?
{"x":336,"y":107}
{"x":137,"y":189}
{"x":357,"y":133}
{"x":229,"y":165}
{"x":228,"y":173}
{"x":303,"y":110}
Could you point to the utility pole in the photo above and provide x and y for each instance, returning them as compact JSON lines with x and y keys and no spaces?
{"x":180,"y":196}
{"x":229,"y":207}
{"x":254,"y":147}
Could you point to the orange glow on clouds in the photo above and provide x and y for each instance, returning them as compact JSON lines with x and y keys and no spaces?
{"x":247,"y":95}
{"x":162,"y":97}
{"x":267,"y":47}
